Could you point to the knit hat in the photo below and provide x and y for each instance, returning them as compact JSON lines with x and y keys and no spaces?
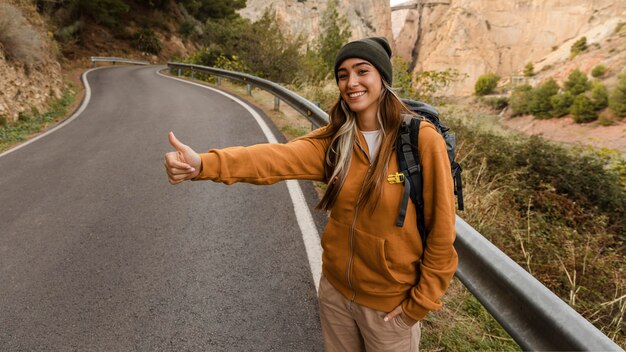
{"x":376,"y":50}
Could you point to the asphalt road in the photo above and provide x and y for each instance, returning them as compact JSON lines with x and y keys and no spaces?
{"x":99,"y":253}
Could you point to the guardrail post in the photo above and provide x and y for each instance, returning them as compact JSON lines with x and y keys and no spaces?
{"x":94,"y":63}
{"x":218,"y":80}
{"x":249,"y":89}
{"x":276,"y":103}
{"x":193,"y":74}
{"x":179,"y":72}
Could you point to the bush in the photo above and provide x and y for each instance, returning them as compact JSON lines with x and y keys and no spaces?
{"x":147,"y":41}
{"x":486,"y":84}
{"x":577,"y":83}
{"x":578,"y":47}
{"x":529,"y":70}
{"x":19,"y":41}
{"x":617,"y":101}
{"x":519,"y":100}
{"x":539,"y":103}
{"x":599,"y":96}
{"x":598,"y":71}
{"x":70,"y":33}
{"x":107,"y":12}
{"x":270,"y":53}
{"x":402,"y":77}
{"x":496,"y":103}
{"x":430,"y":85}
{"x":560,"y":104}
{"x":582,"y":109}
{"x":187,"y":28}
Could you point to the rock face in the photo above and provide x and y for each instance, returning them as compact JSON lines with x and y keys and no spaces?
{"x":366,"y":17}
{"x":479,"y":36}
{"x":23,"y":88}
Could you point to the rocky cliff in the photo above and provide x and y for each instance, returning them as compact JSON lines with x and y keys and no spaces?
{"x":23,"y":87}
{"x":366,"y":17}
{"x":479,"y":36}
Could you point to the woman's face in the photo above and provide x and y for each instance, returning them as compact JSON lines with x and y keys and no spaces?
{"x":360,"y":85}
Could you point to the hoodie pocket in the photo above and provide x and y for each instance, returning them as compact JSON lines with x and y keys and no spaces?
{"x":370,"y":270}
{"x":335,"y":242}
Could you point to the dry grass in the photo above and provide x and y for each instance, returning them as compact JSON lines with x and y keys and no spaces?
{"x":19,"y":41}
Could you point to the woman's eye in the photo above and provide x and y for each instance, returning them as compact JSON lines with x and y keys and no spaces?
{"x":362,"y":72}
{"x":342,"y":76}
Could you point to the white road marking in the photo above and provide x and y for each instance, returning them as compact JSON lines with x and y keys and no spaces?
{"x":310,"y":236}
{"x":80,"y":110}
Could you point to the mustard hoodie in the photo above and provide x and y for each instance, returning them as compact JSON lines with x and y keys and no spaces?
{"x":366,"y":257}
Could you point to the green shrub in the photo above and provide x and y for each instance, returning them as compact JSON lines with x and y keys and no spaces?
{"x":529,"y":70}
{"x":402,"y":77}
{"x":3,"y":121}
{"x":496,"y":103}
{"x":69,"y":33}
{"x":599,"y":96}
{"x":486,"y":84}
{"x":519,"y":100}
{"x":560,"y":104}
{"x":577,"y":83}
{"x":269,"y":52}
{"x":19,"y":41}
{"x":578,"y":47}
{"x":147,"y":41}
{"x":605,"y":120}
{"x":539,"y":103}
{"x":598,"y":71}
{"x":107,"y":12}
{"x":429,"y":85}
{"x":335,"y":32}
{"x":617,"y":100}
{"x":582,"y":109}
{"x":187,"y":28}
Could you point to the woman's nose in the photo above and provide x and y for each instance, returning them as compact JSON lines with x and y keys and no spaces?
{"x":353,"y":81}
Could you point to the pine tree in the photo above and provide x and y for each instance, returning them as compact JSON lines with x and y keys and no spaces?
{"x":577,"y":83}
{"x":617,"y":102}
{"x":335,"y":33}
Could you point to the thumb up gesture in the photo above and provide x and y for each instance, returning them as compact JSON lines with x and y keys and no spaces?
{"x":183,"y":163}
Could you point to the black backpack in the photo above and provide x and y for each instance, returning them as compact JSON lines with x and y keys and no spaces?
{"x":410,"y":168}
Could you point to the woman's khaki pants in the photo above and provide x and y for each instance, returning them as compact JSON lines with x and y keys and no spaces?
{"x":347,"y":326}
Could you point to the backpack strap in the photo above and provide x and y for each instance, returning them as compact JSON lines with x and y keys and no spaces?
{"x":408,"y":163}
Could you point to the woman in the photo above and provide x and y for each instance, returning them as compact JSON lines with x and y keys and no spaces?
{"x":376,"y":283}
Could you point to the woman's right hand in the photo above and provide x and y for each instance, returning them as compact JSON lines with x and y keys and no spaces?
{"x":183,"y":163}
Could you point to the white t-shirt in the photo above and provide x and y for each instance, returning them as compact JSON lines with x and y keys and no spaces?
{"x":373,"y":139}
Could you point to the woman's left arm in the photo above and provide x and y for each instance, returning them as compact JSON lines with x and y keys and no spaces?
{"x":440,"y":259}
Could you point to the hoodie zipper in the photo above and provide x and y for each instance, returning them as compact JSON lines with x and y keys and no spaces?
{"x":353,"y":227}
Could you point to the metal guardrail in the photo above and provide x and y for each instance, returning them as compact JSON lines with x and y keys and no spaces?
{"x":534,"y":316}
{"x":312,"y":112}
{"x":114,"y":60}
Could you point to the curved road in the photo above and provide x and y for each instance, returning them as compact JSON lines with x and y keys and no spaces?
{"x":99,"y":253}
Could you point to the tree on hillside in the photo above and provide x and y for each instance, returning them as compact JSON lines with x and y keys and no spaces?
{"x":335,"y":32}
{"x":270,"y":53}
{"x":519,"y":99}
{"x":577,"y":83}
{"x":206,"y":9}
{"x":599,"y":95}
{"x":529,"y":70}
{"x":539,"y":103}
{"x":578,"y":47}
{"x":582,"y":109}
{"x":617,"y":101}
{"x":485,"y":84}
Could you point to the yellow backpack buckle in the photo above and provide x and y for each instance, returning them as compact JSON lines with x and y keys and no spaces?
{"x":396,"y":178}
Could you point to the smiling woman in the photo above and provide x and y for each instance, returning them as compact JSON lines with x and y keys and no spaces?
{"x":378,"y":278}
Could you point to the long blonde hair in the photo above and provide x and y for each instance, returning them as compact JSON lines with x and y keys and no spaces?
{"x":342,"y":130}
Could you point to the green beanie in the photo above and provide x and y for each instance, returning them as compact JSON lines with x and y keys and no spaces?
{"x":376,"y":50}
